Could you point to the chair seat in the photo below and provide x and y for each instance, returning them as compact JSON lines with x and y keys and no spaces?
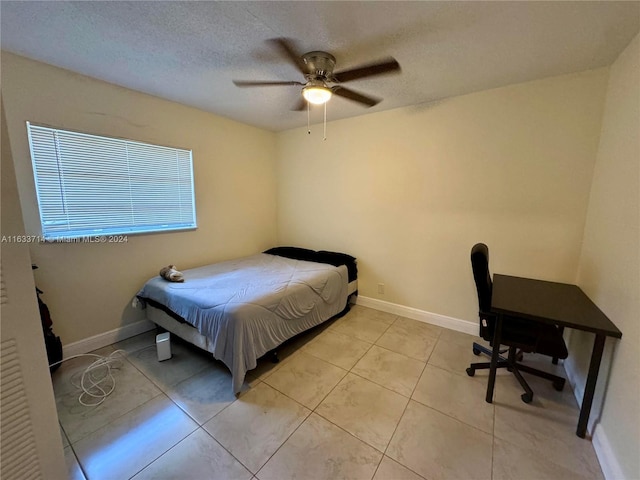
{"x":535,"y":337}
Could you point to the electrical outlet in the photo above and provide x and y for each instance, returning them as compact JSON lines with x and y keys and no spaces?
{"x":381,"y":288}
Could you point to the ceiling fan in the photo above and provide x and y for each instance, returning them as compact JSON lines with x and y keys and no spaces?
{"x":321,"y":82}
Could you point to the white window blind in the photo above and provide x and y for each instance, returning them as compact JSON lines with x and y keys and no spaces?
{"x":90,"y":185}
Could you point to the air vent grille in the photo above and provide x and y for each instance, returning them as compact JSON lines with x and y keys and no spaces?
{"x":17,"y":442}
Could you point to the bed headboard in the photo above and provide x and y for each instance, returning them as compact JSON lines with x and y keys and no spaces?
{"x":322,"y":256}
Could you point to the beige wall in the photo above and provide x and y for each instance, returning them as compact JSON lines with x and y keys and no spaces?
{"x":409,"y":191}
{"x":610,"y":262}
{"x":89,"y":287}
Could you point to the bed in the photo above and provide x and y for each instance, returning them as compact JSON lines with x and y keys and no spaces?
{"x":243,"y":308}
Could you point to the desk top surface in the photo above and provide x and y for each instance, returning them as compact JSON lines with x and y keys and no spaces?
{"x":549,"y":302}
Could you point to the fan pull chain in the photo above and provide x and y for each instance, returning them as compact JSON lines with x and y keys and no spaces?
{"x":308,"y":121}
{"x":325,"y":121}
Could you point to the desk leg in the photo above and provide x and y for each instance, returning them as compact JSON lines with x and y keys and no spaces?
{"x":590,"y":387}
{"x":497,"y":336}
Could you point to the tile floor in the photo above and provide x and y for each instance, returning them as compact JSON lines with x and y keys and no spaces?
{"x":368,"y":396}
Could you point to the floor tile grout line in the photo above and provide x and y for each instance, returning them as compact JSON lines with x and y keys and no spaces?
{"x":354,"y":373}
{"x":340,"y":366}
{"x":314,"y":410}
{"x":399,"y":353}
{"x":159,"y":386}
{"x":378,"y":466}
{"x":126,"y":356}
{"x":285,"y":440}
{"x":114,"y":420}
{"x":226,"y":450}
{"x":71,"y":444}
{"x":163,"y":453}
{"x":82,"y":469}
{"x":200,"y":427}
{"x":446,"y":414}
{"x":311,"y":411}
{"x":160,"y":392}
{"x":239,"y":397}
{"x":380,"y":385}
{"x":348,"y":432}
{"x":214,"y":415}
{"x":463,"y":375}
{"x":404,"y":411}
{"x":451,"y":416}
{"x":350,"y":370}
{"x":431,"y":408}
{"x":407,"y":405}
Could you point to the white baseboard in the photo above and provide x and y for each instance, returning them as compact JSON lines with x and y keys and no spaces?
{"x":422,"y":316}
{"x":107,"y":338}
{"x":608,"y":462}
{"x":122,"y":333}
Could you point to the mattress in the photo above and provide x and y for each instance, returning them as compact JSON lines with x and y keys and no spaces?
{"x":248,"y":306}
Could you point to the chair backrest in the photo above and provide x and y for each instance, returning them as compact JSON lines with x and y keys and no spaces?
{"x":481,"y":275}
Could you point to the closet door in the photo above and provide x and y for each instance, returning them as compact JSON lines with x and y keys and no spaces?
{"x":30,"y":444}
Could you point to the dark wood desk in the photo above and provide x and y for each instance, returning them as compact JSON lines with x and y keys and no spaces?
{"x":556,"y":303}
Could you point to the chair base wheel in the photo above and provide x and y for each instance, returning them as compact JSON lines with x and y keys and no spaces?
{"x":526,"y":397}
{"x":559,"y":385}
{"x":476,"y":352}
{"x":471,"y":371}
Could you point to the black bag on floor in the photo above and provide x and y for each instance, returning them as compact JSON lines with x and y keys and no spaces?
{"x":51,"y":341}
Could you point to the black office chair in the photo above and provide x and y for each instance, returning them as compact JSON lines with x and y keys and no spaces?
{"x":518,"y":334}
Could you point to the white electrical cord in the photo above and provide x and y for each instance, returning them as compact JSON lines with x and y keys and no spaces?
{"x":96,"y":381}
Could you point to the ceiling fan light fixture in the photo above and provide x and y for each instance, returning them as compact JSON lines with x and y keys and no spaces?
{"x":317,"y":94}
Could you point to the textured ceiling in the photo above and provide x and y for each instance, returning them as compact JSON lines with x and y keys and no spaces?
{"x":190,"y":52}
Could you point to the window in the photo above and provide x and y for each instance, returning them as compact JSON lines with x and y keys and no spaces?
{"x":89,"y":185}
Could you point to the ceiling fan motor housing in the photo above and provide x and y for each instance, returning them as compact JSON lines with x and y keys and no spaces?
{"x":319,"y":64}
{"x":317,"y":67}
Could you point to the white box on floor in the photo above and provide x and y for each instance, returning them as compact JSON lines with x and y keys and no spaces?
{"x":163,"y":345}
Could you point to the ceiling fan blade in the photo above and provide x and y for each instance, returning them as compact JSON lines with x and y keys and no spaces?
{"x":288,"y":50}
{"x":250,"y":83}
{"x":355,"y":96}
{"x":387,"y":66}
